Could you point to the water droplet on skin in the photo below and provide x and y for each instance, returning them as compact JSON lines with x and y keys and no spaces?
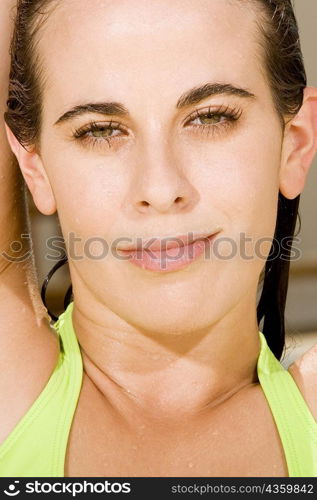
{"x":190,"y":465}
{"x":141,"y":432}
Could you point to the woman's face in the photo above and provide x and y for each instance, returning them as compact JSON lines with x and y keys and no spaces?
{"x":162,"y":171}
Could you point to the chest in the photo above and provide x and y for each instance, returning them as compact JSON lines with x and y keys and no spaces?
{"x":240,"y":440}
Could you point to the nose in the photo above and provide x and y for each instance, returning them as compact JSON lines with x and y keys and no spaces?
{"x":162,"y":183}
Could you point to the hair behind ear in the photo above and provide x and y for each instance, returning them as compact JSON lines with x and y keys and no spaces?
{"x":271,"y":307}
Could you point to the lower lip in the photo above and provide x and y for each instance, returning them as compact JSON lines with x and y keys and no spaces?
{"x":171,"y":259}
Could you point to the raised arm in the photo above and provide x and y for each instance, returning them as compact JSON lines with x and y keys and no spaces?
{"x":28,"y":346}
{"x":7,"y":12}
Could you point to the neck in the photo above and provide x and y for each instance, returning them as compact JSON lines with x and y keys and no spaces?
{"x":167,"y":376}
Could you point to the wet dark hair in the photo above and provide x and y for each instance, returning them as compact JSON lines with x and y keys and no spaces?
{"x":284,"y":69}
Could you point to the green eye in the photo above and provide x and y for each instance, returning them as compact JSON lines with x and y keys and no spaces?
{"x":210,"y":119}
{"x":102,"y":132}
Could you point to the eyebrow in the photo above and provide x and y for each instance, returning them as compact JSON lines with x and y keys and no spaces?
{"x":193,"y":96}
{"x":197,"y":94}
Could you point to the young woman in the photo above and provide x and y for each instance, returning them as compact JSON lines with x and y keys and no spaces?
{"x":28,"y":345}
{"x":145,"y":124}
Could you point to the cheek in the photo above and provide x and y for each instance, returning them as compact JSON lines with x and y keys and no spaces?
{"x":88,"y":194}
{"x":239,"y":182}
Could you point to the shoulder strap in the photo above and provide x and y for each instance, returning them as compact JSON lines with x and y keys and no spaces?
{"x":69,"y":391}
{"x":296,"y":425}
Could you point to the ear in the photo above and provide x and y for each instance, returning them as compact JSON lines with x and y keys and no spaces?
{"x":34,"y":174}
{"x":299,"y":146}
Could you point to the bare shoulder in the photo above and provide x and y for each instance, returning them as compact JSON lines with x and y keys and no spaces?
{"x":29,"y":354}
{"x":304,"y":372}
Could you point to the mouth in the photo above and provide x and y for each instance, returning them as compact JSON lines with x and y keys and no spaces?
{"x":169,"y":255}
{"x":163,"y":244}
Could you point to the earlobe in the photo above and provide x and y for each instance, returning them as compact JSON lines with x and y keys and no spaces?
{"x":299,"y":146}
{"x":34,"y":174}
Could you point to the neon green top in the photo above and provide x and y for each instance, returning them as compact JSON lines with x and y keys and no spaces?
{"x":36,"y":447}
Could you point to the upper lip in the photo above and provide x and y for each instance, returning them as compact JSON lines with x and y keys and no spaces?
{"x":166,"y":242}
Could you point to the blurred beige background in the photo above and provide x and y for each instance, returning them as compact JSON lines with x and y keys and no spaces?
{"x":301,"y":310}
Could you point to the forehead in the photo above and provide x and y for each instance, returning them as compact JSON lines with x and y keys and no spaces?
{"x":114,"y":44}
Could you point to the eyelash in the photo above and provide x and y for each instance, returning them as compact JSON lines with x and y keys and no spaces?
{"x":231,"y":115}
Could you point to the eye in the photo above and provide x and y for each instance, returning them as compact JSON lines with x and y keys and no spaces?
{"x":213,"y":120}
{"x":99,"y":133}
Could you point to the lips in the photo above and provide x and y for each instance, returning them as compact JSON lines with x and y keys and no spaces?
{"x":155,"y":244}
{"x":172,"y":259}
